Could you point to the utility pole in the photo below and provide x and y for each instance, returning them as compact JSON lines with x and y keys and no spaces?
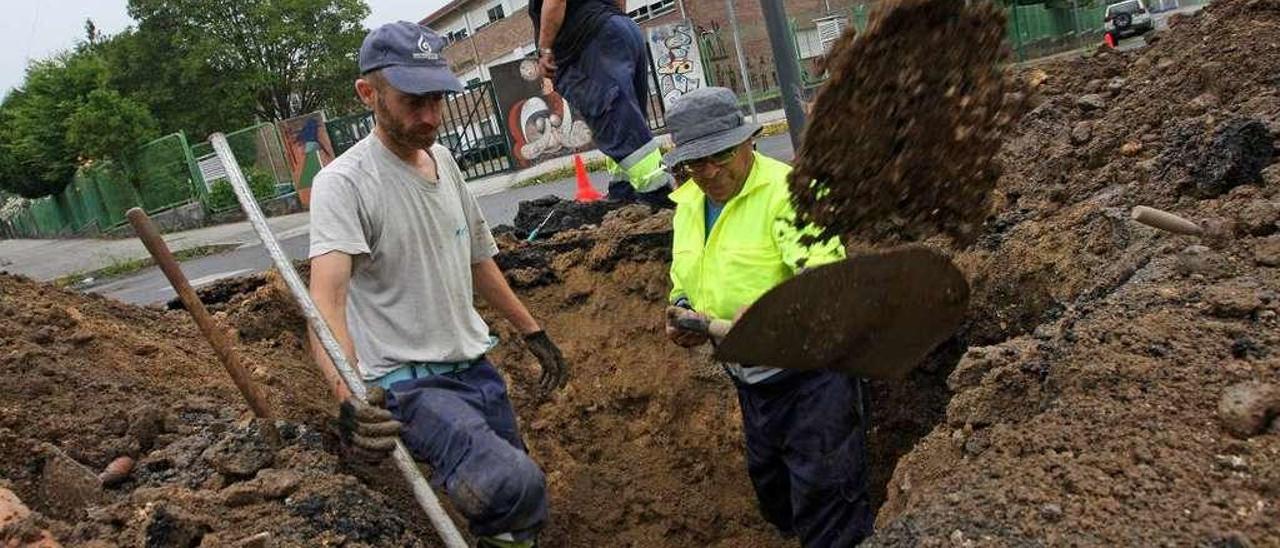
{"x":475,"y":53}
{"x":784,"y":55}
{"x":742,"y":60}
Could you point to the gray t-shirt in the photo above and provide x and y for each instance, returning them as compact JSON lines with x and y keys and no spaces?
{"x":412,"y":242}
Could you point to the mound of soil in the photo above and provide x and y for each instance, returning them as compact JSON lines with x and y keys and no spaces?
{"x":88,"y":380}
{"x":550,"y":215}
{"x":1114,"y":385}
{"x":1111,"y":367}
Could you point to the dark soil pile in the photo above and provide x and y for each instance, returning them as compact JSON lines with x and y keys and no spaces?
{"x":551,"y":215}
{"x":1120,"y":382}
{"x":902,"y":140}
{"x":87,"y":380}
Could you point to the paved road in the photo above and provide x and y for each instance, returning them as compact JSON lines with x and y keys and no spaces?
{"x":149,"y":286}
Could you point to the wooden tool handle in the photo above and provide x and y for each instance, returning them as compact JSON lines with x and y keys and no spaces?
{"x":1166,"y":221}
{"x":719,"y":328}
{"x":146,"y":231}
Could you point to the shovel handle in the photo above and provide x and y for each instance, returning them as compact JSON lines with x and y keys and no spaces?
{"x":217,"y":337}
{"x":692,"y":321}
{"x":1166,"y":221}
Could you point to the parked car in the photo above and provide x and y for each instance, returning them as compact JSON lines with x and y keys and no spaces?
{"x":1128,"y":18}
{"x":489,"y":147}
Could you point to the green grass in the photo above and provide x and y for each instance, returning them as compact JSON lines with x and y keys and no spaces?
{"x":124,"y":267}
{"x":559,"y":173}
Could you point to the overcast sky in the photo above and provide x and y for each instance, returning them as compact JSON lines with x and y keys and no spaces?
{"x":35,"y":29}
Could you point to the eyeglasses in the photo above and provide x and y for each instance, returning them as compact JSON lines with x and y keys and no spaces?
{"x":684,"y":171}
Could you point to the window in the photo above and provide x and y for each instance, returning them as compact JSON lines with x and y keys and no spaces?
{"x":652,"y":10}
{"x":495,"y":13}
{"x":455,"y":36}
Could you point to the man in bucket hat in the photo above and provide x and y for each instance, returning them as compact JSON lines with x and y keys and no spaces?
{"x":398,"y":248}
{"x":734,"y":240}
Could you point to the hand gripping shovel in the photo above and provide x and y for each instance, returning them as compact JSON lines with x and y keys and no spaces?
{"x":875,"y":315}
{"x":404,"y":462}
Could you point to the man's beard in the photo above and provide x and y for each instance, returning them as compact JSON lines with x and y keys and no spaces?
{"x":397,"y":131}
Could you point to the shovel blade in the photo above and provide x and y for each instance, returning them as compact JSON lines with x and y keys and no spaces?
{"x":875,"y":315}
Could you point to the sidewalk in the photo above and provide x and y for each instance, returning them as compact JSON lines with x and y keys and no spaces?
{"x":47,"y":260}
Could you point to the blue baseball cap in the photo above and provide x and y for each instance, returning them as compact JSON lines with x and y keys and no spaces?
{"x":410,"y":59}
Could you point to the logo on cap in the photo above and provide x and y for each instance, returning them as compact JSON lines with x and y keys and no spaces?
{"x":424,"y":49}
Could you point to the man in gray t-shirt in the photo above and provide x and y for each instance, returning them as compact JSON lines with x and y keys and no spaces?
{"x":398,"y":248}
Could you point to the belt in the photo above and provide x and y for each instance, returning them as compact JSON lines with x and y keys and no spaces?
{"x":419,"y":370}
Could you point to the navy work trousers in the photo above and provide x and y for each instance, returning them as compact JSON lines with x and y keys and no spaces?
{"x":608,"y":84}
{"x":806,"y":456}
{"x":462,"y":425}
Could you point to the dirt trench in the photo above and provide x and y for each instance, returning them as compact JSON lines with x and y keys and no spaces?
{"x":1113,"y":385}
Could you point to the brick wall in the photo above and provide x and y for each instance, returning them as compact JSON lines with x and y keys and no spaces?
{"x":491,"y":42}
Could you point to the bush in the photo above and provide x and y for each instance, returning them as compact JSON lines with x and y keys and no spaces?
{"x":261,"y":183}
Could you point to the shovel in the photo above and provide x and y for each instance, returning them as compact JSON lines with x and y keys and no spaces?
{"x":875,"y":315}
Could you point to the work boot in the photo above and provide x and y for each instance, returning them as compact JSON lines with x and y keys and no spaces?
{"x":505,"y":541}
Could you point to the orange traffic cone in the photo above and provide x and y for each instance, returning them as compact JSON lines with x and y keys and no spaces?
{"x":586,"y":192}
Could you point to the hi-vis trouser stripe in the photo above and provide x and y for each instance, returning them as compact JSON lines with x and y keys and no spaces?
{"x":644,"y":168}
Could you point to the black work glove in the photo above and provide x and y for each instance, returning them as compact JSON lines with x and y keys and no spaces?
{"x":555,"y":372}
{"x":367,"y":430}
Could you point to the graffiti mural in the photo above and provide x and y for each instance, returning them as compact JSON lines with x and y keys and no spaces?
{"x":540,"y":121}
{"x":307,"y":147}
{"x":676,"y":60}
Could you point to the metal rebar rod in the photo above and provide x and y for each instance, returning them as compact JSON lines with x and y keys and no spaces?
{"x":404,"y":462}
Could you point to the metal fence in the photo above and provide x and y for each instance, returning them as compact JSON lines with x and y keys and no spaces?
{"x":474,"y":131}
{"x":256,"y":148}
{"x":346,"y":131}
{"x":157,"y":176}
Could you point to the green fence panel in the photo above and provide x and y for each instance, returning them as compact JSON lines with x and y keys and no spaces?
{"x":162,"y":172}
{"x":257,"y":148}
{"x":118,"y":196}
{"x":48,"y":220}
{"x":95,"y":212}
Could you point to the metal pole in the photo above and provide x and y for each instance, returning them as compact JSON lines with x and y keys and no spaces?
{"x":742,"y":61}
{"x":404,"y":463}
{"x":475,"y":53}
{"x":784,"y":54}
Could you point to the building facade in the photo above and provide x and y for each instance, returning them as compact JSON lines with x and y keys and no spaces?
{"x":486,"y":33}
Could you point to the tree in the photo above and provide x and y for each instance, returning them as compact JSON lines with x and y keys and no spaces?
{"x":293,"y":56}
{"x":62,"y":116}
{"x":175,"y":83}
{"x":107,"y":124}
{"x":33,"y":123}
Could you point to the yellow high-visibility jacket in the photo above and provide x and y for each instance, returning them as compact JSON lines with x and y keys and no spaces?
{"x":753,"y":246}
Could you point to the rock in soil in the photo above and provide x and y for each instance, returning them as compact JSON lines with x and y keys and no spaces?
{"x":1266,"y":252}
{"x":1247,"y":409}
{"x":240,"y":454}
{"x":1233,"y":153}
{"x":67,"y":487}
{"x":170,"y":526}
